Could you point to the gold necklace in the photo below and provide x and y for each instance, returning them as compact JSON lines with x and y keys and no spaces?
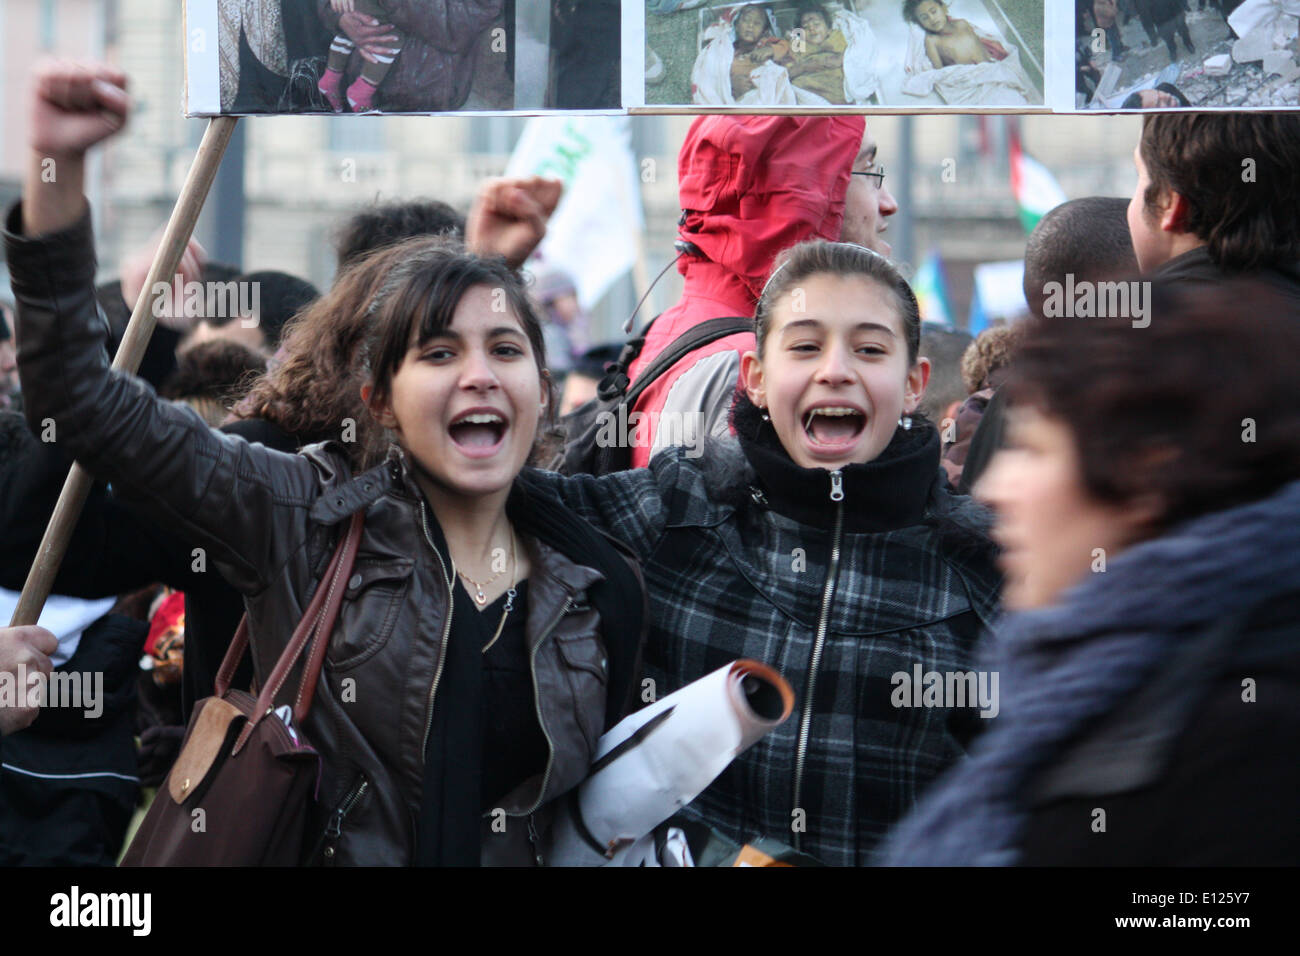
{"x":510,"y":594}
{"x":480,"y":595}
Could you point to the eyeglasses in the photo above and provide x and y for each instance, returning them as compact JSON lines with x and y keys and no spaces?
{"x":878,"y":173}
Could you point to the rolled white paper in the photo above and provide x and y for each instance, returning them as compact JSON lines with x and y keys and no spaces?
{"x":659,"y":759}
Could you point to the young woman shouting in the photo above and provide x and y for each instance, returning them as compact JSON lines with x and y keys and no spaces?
{"x":821,"y":541}
{"x":488,"y":635}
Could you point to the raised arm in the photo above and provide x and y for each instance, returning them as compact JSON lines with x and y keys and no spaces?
{"x":214,"y":489}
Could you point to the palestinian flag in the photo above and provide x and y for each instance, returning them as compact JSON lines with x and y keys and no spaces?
{"x":1035,"y":188}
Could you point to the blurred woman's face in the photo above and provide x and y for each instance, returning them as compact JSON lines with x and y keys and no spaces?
{"x":750,"y":24}
{"x":465,"y":404}
{"x":1052,"y":532}
{"x":834,"y":375}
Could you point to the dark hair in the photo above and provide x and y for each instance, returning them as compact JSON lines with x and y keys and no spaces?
{"x":807,"y":259}
{"x":1134,"y":101}
{"x":1164,"y":409}
{"x":944,"y":348}
{"x":594,"y":362}
{"x":805,"y":8}
{"x":1088,"y":238}
{"x":382,"y":224}
{"x":280,"y":297}
{"x":1247,"y":222}
{"x":357,"y":331}
{"x":909,"y":9}
{"x":220,"y":369}
{"x":418,"y":299}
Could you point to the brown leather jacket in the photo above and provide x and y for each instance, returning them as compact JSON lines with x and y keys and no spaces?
{"x":269,"y":521}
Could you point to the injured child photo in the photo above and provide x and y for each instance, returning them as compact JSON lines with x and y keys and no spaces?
{"x":911,"y":53}
{"x":1160,"y":54}
{"x":361,"y":56}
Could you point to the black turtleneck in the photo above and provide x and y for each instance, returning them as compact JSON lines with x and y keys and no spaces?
{"x":884,"y":494}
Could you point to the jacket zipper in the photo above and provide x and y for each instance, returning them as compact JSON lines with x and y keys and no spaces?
{"x":334,"y":829}
{"x":446,"y":630}
{"x":828,"y":592}
{"x":537,"y":705}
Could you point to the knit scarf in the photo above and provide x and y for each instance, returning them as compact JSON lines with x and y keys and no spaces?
{"x":1063,"y":667}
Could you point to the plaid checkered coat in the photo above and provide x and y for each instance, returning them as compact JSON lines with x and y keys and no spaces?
{"x":729,"y":577}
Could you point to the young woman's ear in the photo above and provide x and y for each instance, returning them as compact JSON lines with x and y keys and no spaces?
{"x":918,"y":377}
{"x":382,"y":412}
{"x":751,"y":379}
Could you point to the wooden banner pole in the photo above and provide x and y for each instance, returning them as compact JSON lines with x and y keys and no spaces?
{"x":180,"y":227}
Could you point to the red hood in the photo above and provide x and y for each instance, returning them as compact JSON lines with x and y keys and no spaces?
{"x":752,"y":186}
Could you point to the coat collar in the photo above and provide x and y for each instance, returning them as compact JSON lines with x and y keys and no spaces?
{"x":886,"y":494}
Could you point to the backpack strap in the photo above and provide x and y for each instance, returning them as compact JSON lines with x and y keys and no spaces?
{"x":697,"y":336}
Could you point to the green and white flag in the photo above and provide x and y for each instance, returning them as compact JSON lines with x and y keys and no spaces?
{"x":1036,"y":189}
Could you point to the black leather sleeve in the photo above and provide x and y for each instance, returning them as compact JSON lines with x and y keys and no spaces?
{"x":245,"y":503}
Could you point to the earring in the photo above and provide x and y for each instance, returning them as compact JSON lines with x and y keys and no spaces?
{"x":764,"y":415}
{"x":905,"y":423}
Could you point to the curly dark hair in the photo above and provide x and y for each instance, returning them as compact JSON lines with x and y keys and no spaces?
{"x":1198,"y":408}
{"x":358,"y":333}
{"x":220,"y":370}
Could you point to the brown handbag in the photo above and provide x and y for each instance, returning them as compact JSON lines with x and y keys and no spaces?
{"x":240,"y":792}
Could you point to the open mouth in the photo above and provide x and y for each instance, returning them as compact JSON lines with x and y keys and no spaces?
{"x":478,"y":431}
{"x":834,"y":426}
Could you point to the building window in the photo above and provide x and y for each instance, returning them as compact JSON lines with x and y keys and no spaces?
{"x":356,"y":135}
{"x":495,"y":135}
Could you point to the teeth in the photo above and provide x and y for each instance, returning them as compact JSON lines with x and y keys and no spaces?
{"x":483,"y":419}
{"x":833,"y":411}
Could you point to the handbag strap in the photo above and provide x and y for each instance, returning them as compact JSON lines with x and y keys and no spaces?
{"x":314,"y":628}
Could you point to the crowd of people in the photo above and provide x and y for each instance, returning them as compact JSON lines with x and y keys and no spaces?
{"x":1096,"y":513}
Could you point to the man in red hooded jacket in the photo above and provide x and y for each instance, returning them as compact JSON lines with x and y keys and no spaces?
{"x":751,"y":187}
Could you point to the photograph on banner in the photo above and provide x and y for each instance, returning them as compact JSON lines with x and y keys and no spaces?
{"x":1171,"y":54}
{"x":800,"y":53}
{"x":348,"y":56}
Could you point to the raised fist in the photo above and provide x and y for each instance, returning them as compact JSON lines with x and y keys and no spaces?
{"x":76,"y":105}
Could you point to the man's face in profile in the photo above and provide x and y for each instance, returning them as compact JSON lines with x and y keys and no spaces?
{"x":866,"y":206}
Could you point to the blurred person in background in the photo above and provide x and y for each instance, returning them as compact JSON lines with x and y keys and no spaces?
{"x":212,"y":376}
{"x":279,"y":297}
{"x":985,"y":366}
{"x":382,"y":223}
{"x":1085,"y":238}
{"x":564,"y":322}
{"x":9,"y":391}
{"x":944,"y":347}
{"x":1150,"y":665}
{"x":583,"y":379}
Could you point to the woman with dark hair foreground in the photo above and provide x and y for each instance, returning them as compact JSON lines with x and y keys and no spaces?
{"x":488,"y":635}
{"x":1150,"y":667}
